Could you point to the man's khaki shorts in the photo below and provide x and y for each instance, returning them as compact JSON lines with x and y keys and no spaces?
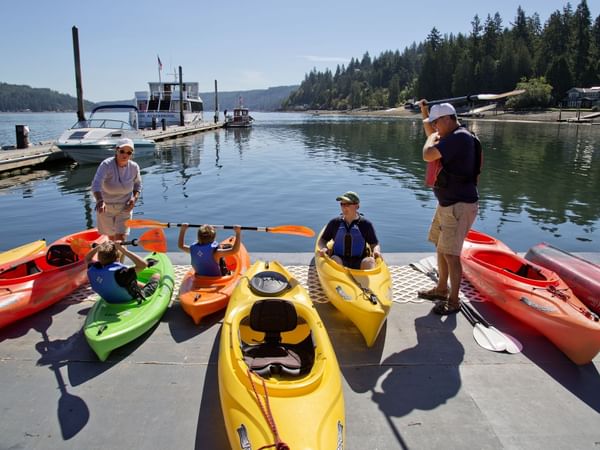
{"x":450,"y":226}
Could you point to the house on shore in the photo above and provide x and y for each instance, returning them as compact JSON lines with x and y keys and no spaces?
{"x":583,"y":97}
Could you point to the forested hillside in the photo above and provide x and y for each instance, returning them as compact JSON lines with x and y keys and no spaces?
{"x":493,"y":57}
{"x":269,"y":99}
{"x":15,"y":97}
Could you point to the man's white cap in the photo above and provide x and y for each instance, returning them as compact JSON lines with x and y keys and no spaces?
{"x":443,"y":109}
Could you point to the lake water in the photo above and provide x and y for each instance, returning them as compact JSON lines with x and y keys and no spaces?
{"x":540,"y":182}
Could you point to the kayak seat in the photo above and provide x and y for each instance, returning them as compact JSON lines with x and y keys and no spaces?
{"x":528,"y":271}
{"x":269,"y":284}
{"x":273,"y":357}
{"x":60,"y":255}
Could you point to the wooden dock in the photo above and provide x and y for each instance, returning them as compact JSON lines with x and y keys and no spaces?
{"x":25,"y":158}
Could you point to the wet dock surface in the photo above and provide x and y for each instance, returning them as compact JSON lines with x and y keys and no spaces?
{"x":425,"y":384}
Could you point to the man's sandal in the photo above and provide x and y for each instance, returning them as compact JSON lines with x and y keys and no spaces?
{"x":432,"y":294}
{"x":445,"y":308}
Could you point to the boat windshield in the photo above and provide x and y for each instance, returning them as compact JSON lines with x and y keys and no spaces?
{"x":103,"y":123}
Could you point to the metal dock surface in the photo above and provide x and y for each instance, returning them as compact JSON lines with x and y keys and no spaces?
{"x":425,"y":384}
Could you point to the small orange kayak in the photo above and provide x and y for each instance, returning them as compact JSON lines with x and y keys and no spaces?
{"x":200,"y":296}
{"x":533,"y":295}
{"x":35,"y":282}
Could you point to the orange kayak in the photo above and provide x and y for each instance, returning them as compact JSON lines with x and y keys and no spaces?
{"x":40,"y":280}
{"x":533,"y":295}
{"x":200,"y":296}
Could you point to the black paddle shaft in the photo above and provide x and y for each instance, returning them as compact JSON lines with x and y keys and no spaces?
{"x":475,"y":314}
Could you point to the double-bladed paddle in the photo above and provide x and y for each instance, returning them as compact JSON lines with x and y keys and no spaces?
{"x":153,"y":240}
{"x":297,"y":230}
{"x":485,"y":335}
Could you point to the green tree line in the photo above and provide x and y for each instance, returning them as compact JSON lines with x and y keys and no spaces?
{"x":15,"y":97}
{"x":562,"y":53}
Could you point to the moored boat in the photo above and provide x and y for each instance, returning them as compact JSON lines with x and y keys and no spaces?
{"x":364,"y":296}
{"x":582,"y":276}
{"x":111,"y":325}
{"x":13,"y":254}
{"x":35,"y":282}
{"x":241,"y":117}
{"x":200,"y":296}
{"x":533,"y":295}
{"x":163,"y":102}
{"x":93,"y":140}
{"x":275,"y":351}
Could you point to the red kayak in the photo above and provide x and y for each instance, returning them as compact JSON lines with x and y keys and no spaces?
{"x":582,"y":276}
{"x":532,"y":294}
{"x":38,"y":281}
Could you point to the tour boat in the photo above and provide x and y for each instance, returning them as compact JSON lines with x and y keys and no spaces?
{"x":162,"y":102}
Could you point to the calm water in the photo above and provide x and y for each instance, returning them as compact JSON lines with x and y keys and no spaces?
{"x":540,"y":182}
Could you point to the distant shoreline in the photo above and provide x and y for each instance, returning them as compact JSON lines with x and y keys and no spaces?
{"x":545,"y":116}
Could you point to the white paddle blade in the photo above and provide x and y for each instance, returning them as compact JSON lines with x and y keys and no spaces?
{"x":513,"y":345}
{"x":488,"y":340}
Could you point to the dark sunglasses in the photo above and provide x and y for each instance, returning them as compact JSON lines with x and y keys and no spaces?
{"x":122,"y":152}
{"x":347,"y":204}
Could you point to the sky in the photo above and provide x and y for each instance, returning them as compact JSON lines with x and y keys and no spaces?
{"x":242,"y":44}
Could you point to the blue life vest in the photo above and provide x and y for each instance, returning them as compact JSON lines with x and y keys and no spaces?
{"x":203,"y":260}
{"x":104,"y":283}
{"x":349,"y":240}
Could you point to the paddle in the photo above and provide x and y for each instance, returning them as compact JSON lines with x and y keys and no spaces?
{"x":486,"y":340}
{"x":491,"y":334}
{"x":472,"y":97}
{"x":153,"y":240}
{"x":297,"y":230}
{"x":511,"y":344}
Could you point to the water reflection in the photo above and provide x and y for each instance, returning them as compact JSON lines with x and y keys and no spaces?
{"x":540,"y":182}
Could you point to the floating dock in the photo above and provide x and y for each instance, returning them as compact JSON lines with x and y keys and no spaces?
{"x":25,"y":158}
{"x":425,"y":384}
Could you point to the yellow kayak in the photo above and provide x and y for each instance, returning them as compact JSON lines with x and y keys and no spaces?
{"x":364,"y":296}
{"x":13,"y":254}
{"x":279,"y":379}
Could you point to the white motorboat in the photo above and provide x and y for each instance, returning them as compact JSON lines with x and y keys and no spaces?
{"x":94,"y":139}
{"x":162,"y":102}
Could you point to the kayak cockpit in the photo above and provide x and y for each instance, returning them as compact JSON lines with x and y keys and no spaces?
{"x":275,"y":341}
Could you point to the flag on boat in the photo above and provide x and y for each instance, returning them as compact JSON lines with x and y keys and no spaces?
{"x":159,"y":63}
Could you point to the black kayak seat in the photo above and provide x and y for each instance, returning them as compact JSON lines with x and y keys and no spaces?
{"x":272,"y":357}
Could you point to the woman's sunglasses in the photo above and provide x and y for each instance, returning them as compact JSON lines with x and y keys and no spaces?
{"x":122,"y":152}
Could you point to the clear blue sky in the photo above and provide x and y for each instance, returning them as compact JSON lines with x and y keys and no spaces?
{"x":250,"y":44}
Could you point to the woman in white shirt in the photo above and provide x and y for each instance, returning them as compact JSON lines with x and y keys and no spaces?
{"x":116,"y":188}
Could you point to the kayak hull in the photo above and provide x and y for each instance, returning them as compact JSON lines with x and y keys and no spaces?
{"x":582,"y":276}
{"x":201,"y":296}
{"x":38,"y":281}
{"x":307,"y":408}
{"x":340,"y":285}
{"x":533,"y":295}
{"x":111,"y":325}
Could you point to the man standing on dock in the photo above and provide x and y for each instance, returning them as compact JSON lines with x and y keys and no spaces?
{"x":459,"y":154}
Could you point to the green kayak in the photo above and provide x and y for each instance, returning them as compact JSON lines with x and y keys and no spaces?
{"x":111,"y":325}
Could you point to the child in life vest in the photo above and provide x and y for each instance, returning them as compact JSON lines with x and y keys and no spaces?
{"x":206,"y":255}
{"x":114,"y":281}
